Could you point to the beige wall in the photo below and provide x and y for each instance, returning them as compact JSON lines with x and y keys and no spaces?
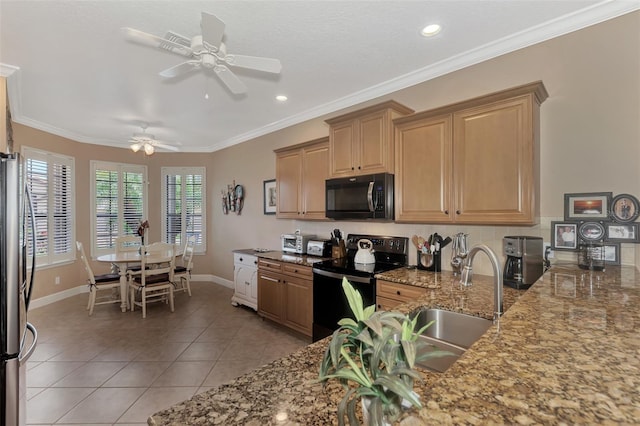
{"x":3,"y":114}
{"x":590,"y":135}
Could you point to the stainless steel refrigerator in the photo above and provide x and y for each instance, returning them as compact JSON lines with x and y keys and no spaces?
{"x":18,"y":337}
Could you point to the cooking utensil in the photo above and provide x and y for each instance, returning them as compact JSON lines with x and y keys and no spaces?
{"x":415,"y":242}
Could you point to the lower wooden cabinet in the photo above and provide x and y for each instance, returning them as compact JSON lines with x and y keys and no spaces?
{"x":285,"y":294}
{"x":390,"y":294}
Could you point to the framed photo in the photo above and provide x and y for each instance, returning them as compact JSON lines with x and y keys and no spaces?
{"x":565,"y":285}
{"x":624,"y":208}
{"x":611,"y":254}
{"x":269,"y":196}
{"x":564,"y":236}
{"x":621,"y":232}
{"x":587,"y":206}
{"x":591,"y":231}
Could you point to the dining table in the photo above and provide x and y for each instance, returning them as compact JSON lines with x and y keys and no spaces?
{"x":123,"y":260}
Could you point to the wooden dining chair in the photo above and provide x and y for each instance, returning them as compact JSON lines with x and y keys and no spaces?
{"x":183,"y":271}
{"x":98,"y":283}
{"x":153,"y":284}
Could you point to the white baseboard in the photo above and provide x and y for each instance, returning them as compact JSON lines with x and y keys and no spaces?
{"x":56,"y":297}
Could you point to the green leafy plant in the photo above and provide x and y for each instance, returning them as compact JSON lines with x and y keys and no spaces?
{"x":373,"y":356}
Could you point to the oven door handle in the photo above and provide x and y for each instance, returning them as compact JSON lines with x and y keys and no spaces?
{"x":339,"y":276}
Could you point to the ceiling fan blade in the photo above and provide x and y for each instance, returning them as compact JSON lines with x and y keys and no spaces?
{"x":180,"y":69}
{"x":212,"y":29}
{"x":235,"y":85}
{"x":255,"y":63}
{"x":155,"y":41}
{"x":167,"y":147}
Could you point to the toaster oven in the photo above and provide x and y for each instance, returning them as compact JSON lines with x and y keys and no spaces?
{"x":296,"y":243}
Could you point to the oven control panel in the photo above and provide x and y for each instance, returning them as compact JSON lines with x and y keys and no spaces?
{"x":381,"y":244}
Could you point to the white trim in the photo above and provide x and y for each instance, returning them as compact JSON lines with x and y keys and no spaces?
{"x":214,"y":279}
{"x":56,"y":297}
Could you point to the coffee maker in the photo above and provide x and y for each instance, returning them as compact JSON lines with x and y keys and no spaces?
{"x":524,"y":263}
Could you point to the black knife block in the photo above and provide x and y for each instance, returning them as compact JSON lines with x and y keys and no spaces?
{"x":430,"y":262}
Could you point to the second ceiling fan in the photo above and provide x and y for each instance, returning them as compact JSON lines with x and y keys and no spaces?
{"x":206,"y":51}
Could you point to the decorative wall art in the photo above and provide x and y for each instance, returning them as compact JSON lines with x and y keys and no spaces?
{"x":564,"y":236}
{"x":597,"y":217}
{"x":624,"y":208}
{"x":587,"y":206}
{"x":233,"y":199}
{"x":269,"y":196}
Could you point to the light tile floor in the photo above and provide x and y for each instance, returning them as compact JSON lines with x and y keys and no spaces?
{"x":116,"y":368}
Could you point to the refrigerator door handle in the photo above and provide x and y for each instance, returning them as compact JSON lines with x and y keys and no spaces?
{"x":29,"y":201}
{"x":25,"y":356}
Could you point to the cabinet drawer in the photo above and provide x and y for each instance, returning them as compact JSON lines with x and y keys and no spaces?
{"x":401,"y":292}
{"x":269,"y":265}
{"x":245,"y":259}
{"x":385,"y":304}
{"x":304,"y":272}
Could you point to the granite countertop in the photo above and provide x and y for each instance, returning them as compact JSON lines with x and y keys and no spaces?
{"x":565,"y":351}
{"x":298,"y":259}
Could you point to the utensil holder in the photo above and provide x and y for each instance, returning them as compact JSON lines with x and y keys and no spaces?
{"x":339,"y":250}
{"x":430,"y":261}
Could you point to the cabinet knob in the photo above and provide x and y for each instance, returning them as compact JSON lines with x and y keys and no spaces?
{"x":398,"y":292}
{"x":457,"y":211}
{"x":353,"y":168}
{"x":359,"y":167}
{"x":247,"y":283}
{"x":241,"y":259}
{"x":446,"y":212}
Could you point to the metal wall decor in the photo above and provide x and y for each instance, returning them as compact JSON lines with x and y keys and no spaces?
{"x":232,"y":199}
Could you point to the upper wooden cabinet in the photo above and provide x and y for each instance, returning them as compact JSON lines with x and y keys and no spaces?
{"x":300,"y":174}
{"x":473,"y":162}
{"x":361,"y":142}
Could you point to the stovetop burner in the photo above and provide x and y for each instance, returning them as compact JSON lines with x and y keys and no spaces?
{"x":390,"y":253}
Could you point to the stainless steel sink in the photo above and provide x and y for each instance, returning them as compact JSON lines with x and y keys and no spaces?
{"x":453,"y":332}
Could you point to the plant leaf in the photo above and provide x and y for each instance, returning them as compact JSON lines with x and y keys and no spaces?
{"x":354,"y":298}
{"x":397,"y":386}
{"x":409,"y":349}
{"x":351,"y":412}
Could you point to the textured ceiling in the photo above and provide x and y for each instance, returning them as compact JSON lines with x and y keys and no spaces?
{"x":72,"y":73}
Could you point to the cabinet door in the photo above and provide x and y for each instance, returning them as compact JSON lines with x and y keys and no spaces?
{"x":270,"y":295}
{"x":493,"y":163}
{"x":298,"y":310}
{"x":341,"y":148}
{"x":375,"y":153}
{"x":243,"y":277}
{"x":315,"y":172}
{"x":423,"y":176}
{"x":288,"y":183}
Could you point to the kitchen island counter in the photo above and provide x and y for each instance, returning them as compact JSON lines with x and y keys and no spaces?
{"x":565,"y":351}
{"x":281,"y":256}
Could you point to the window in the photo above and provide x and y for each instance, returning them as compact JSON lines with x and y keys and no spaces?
{"x":50,"y":180}
{"x":183,"y":205}
{"x":119,"y":192}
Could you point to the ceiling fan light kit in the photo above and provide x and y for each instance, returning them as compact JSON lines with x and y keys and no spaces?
{"x":206,"y":51}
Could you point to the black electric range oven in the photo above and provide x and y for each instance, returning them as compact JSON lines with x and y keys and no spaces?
{"x":329,"y":302}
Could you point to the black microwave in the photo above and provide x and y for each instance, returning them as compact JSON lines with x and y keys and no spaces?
{"x":360,"y":197}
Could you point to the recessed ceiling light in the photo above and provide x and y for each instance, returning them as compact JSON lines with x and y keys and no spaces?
{"x":281,"y":98}
{"x":431,"y":30}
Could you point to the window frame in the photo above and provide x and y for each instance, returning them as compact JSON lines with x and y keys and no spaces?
{"x":184,"y":171}
{"x":120,"y":168}
{"x":51,"y":159}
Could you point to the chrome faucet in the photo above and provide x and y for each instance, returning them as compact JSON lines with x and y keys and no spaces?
{"x":467,"y":272}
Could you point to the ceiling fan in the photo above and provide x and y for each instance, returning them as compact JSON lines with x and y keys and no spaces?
{"x":147,"y":142}
{"x":205,"y":51}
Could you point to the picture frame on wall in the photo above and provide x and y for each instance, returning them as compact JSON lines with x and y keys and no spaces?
{"x":269,"y":196}
{"x":564,"y":236}
{"x":591,"y":231}
{"x":621,"y":232}
{"x":625,"y":208}
{"x":587,"y":206}
{"x":611,"y":253}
